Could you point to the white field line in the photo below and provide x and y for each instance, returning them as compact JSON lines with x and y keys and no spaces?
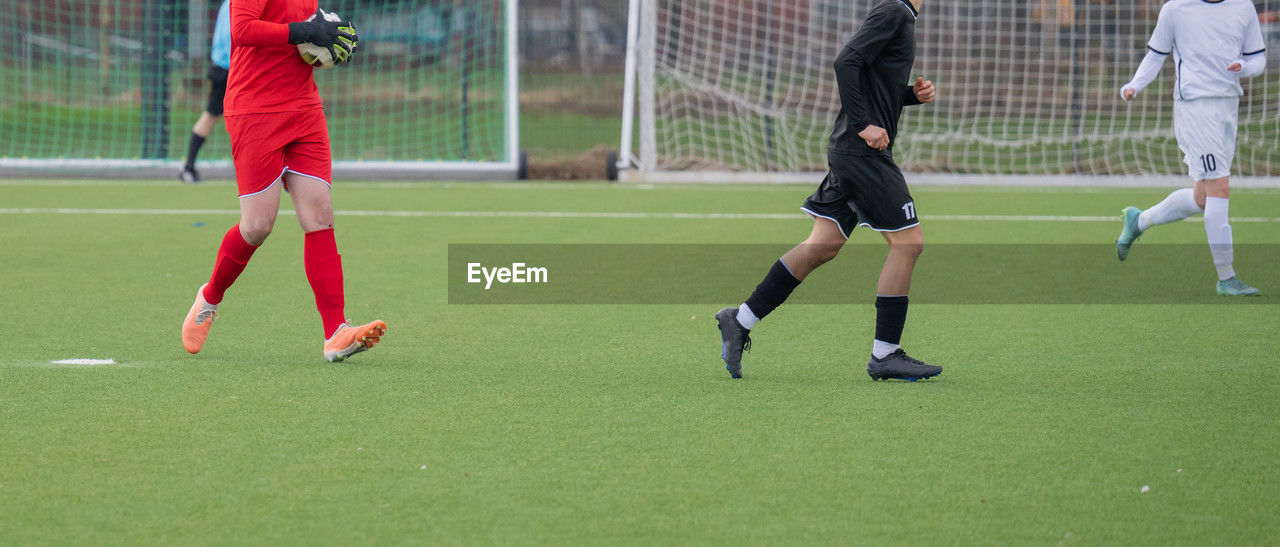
{"x":549,"y":185}
{"x":580,"y":214}
{"x":88,"y":362}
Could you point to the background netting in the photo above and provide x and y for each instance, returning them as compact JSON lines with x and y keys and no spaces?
{"x":125,"y":79}
{"x":1024,"y":88}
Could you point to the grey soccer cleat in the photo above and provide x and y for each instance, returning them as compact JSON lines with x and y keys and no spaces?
{"x":1129,"y":232}
{"x":1235,"y":287}
{"x":734,"y":340}
{"x":898,"y":366}
{"x":189,"y":175}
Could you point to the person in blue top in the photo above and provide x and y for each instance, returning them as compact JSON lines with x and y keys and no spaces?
{"x":220,"y":54}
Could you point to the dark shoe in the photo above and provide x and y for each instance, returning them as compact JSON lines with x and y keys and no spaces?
{"x":734,"y":340}
{"x":898,"y":366}
{"x":189,"y":175}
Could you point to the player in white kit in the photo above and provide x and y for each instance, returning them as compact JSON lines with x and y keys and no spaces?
{"x":1214,"y":45}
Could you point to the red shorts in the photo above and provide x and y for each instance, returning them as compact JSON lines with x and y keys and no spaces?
{"x":265,"y":146}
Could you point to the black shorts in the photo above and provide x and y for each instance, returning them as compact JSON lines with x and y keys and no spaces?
{"x":217,"y":89}
{"x":863,"y":190}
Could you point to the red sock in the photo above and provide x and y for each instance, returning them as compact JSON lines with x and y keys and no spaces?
{"x":324,"y":270}
{"x":233,"y":256}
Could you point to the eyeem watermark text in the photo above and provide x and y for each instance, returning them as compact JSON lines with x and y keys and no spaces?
{"x":518,"y":272}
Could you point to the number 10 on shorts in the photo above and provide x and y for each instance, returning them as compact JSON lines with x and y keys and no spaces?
{"x":1210,"y":163}
{"x":909,"y":209}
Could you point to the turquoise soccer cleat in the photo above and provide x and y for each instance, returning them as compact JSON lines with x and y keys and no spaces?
{"x":1129,"y":232}
{"x":1236,"y":287}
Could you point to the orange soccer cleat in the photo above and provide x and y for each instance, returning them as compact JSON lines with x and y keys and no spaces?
{"x":195,"y":328}
{"x":348,"y":340}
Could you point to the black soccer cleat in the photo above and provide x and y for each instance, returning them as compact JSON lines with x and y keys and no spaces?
{"x":898,"y":366}
{"x":734,"y":340}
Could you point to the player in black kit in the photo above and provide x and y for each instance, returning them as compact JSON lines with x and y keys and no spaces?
{"x":863,"y":187}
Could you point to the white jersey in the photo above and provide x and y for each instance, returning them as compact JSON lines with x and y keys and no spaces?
{"x":1205,"y":36}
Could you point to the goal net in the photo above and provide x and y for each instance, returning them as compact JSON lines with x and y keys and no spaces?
{"x":112,"y":87}
{"x":744,"y":90}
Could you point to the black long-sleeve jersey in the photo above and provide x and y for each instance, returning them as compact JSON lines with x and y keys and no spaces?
{"x":873,"y":72}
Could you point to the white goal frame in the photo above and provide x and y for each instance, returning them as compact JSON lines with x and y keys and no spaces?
{"x":510,"y":168}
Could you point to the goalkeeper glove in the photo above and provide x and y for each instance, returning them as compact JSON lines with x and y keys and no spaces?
{"x":339,"y":37}
{"x":347,"y":40}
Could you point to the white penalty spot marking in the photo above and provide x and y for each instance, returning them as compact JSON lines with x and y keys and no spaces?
{"x":86,"y":362}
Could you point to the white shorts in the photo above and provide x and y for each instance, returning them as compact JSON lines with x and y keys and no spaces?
{"x":1206,"y":131}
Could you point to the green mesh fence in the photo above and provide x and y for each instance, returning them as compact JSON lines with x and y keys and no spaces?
{"x":125,"y":80}
{"x":1024,"y":88}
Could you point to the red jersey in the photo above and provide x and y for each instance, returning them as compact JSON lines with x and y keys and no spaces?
{"x":267,"y":74}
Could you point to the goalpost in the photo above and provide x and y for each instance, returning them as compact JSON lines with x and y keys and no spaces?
{"x":1028,"y":93}
{"x":112,"y":88}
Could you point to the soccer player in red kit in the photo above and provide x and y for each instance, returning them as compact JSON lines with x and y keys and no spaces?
{"x":280,"y":140}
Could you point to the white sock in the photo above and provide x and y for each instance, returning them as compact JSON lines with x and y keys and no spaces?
{"x":880,"y":349}
{"x":746,"y":317}
{"x":1179,"y":205}
{"x":1219,"y":233}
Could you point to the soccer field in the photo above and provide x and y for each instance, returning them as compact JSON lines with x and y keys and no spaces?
{"x":605,"y":424}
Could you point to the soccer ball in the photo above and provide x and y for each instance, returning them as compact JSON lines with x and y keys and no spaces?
{"x":317,"y":56}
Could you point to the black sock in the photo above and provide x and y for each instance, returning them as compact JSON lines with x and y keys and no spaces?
{"x":193,"y":149}
{"x":891,"y":316}
{"x":773,"y":290}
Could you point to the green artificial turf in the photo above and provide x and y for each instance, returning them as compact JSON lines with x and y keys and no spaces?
{"x":606,"y":424}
